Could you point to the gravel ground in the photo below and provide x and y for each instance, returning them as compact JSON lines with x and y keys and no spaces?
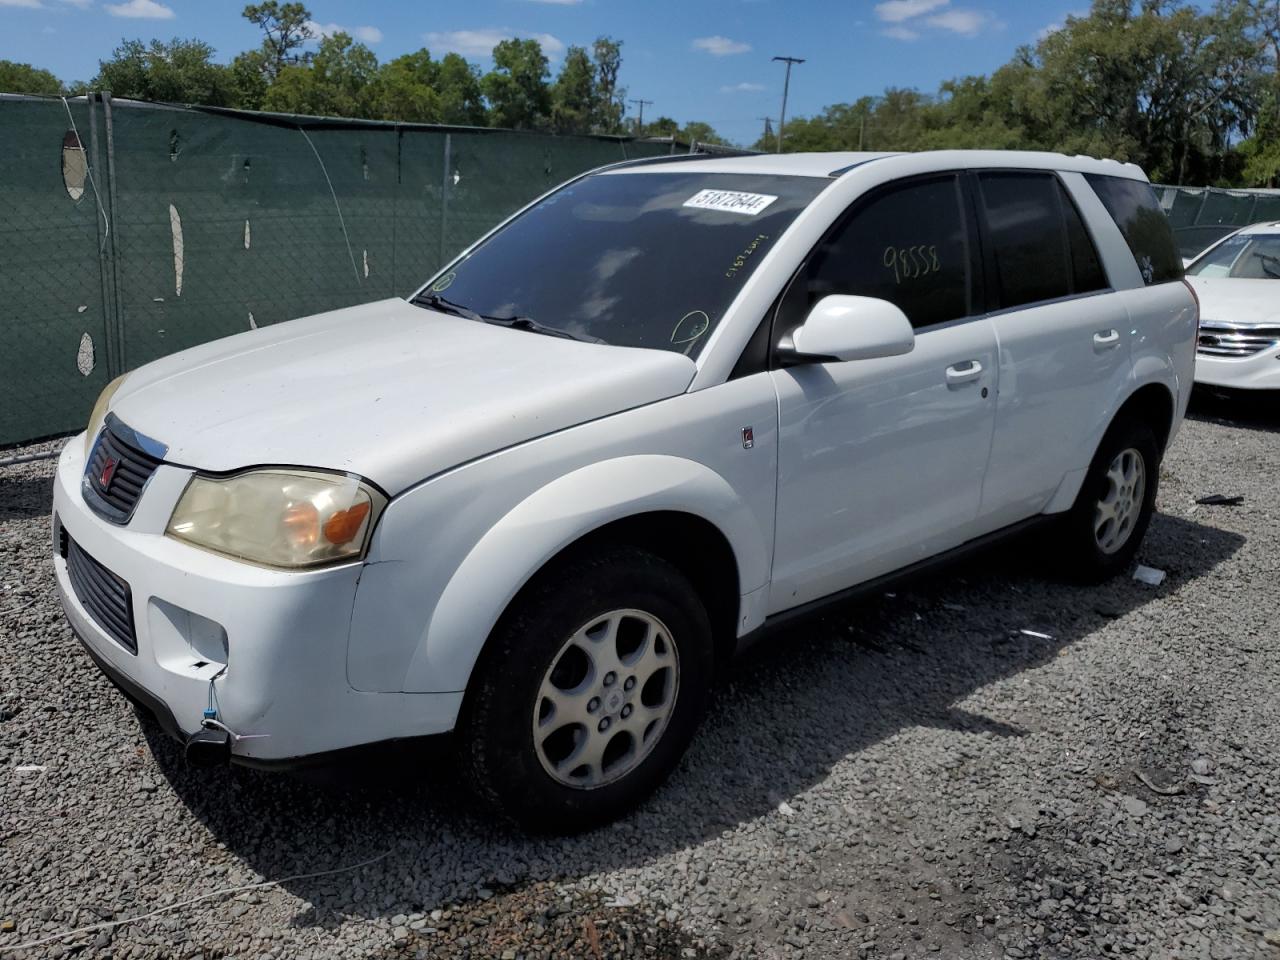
{"x":912,"y":776}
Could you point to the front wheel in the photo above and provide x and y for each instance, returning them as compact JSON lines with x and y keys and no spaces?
{"x":1103,"y":530}
{"x":588,"y":692}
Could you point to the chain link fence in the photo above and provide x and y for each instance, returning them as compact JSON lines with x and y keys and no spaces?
{"x":1203,"y":215}
{"x":133,"y":230}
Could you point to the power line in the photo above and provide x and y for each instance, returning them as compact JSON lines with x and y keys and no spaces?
{"x":786,"y":86}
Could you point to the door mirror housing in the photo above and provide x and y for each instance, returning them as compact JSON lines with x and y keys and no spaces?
{"x":841,"y":328}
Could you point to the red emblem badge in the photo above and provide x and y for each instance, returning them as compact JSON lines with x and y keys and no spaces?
{"x":108,"y":471}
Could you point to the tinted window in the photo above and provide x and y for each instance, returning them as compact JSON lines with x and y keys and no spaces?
{"x":1028,"y":236}
{"x":1040,"y":246}
{"x":1087,"y":274}
{"x":646,"y":259}
{"x":909,"y":245}
{"x":1133,"y":206}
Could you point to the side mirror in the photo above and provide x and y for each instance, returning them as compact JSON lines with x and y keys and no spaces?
{"x":849,"y":328}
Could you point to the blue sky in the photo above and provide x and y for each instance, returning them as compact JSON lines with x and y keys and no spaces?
{"x":695,"y":59}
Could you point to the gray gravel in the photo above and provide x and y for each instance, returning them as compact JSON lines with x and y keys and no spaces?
{"x":912,"y":776}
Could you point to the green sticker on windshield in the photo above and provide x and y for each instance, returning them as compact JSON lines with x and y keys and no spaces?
{"x":691,"y":326}
{"x":444,"y":282}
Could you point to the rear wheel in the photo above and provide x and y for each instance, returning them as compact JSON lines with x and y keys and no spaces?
{"x":1103,"y":530}
{"x":588,"y":692}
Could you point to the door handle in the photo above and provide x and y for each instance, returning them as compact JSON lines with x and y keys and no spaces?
{"x":965,"y":372}
{"x":1106,"y":339}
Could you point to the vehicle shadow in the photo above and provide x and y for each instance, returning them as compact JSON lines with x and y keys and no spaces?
{"x":789,"y":711}
{"x":1248,"y":409}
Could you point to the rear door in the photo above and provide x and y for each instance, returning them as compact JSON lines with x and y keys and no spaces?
{"x":1063,"y":334}
{"x":880,"y":462}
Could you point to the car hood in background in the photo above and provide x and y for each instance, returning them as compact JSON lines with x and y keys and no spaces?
{"x":1231,"y":300}
{"x":387,"y":390}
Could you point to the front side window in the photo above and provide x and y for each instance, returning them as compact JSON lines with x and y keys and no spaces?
{"x":1040,"y":246}
{"x":1136,"y":211}
{"x":907,"y":244}
{"x":1244,"y":257}
{"x":644,"y":259}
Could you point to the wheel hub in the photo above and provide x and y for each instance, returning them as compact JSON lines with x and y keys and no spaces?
{"x":1117,"y":512}
{"x":606,"y":699}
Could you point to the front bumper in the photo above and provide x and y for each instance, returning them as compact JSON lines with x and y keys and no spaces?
{"x":266,"y":648}
{"x":1258,"y":372}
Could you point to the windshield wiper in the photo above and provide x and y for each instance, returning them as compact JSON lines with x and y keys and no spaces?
{"x":533,"y":326}
{"x":437,"y":302}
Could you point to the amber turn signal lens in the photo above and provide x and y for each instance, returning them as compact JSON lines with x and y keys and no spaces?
{"x":345,"y":524}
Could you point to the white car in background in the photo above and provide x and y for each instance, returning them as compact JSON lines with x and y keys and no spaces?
{"x":1238,"y":283}
{"x":664,"y":409}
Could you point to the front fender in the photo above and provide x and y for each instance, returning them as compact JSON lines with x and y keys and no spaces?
{"x":555,"y":516}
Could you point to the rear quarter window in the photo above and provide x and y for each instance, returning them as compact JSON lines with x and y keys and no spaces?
{"x":1133,"y":206}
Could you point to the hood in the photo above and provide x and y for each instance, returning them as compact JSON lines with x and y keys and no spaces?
{"x":387,"y":390}
{"x":1231,"y":300}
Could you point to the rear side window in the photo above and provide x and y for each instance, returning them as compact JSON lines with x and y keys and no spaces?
{"x":908,"y":244}
{"x":1133,"y":206}
{"x":1040,"y":247}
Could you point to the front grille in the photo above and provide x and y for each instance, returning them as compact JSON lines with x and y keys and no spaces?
{"x":104,"y":596}
{"x":1219,"y":339}
{"x":116,"y":474}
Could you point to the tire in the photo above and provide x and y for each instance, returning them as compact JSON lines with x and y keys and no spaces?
{"x":582,"y":620}
{"x":1102,"y":532}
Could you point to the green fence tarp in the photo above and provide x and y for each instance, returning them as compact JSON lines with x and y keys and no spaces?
{"x":130,"y":231}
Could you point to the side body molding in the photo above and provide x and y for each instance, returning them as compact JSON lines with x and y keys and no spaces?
{"x":453,"y":631}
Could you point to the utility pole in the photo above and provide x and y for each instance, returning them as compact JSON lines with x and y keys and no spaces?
{"x":786,"y":86}
{"x":768,"y":129}
{"x":640,"y":121}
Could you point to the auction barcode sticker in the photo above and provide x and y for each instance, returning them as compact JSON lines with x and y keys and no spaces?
{"x":730,"y":201}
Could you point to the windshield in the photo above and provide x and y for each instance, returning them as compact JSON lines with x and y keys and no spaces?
{"x":1254,"y":256}
{"x":647,"y":259}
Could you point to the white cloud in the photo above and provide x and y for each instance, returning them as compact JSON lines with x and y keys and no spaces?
{"x":480,"y":43}
{"x":720,"y":46}
{"x":141,"y":10}
{"x":363,"y":34}
{"x":901,"y":33}
{"x":743,"y":87}
{"x":82,"y":4}
{"x":896,"y":11}
{"x":966,"y":22}
{"x":29,"y":4}
{"x":1048,"y":31}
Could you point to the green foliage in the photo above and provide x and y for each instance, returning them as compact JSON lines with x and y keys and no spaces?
{"x":24,"y":78}
{"x":516,"y":88}
{"x":286,"y":28}
{"x":1166,"y":84}
{"x":573,"y":98}
{"x":180,"y":71}
{"x":337,"y":83}
{"x":606,"y":58}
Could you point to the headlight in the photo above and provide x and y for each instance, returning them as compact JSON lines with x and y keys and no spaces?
{"x":100,"y":413}
{"x":278,"y":518}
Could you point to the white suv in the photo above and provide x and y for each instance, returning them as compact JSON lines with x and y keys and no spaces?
{"x":662,"y":409}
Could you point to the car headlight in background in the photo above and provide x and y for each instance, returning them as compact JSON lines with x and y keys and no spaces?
{"x":100,"y":413}
{"x":279,"y":518}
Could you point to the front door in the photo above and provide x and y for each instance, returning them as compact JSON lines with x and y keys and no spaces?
{"x":881,"y":462}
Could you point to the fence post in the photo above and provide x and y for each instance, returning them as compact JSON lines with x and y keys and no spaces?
{"x":106,"y":262}
{"x":117,"y":330}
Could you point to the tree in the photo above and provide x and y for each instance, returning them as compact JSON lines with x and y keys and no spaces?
{"x":24,"y":78}
{"x":606,"y":56}
{"x":180,"y":71}
{"x":338,"y":82}
{"x":573,"y":98}
{"x":516,"y":88}
{"x":287,"y":27}
{"x":406,"y":89}
{"x":461,"y":99}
